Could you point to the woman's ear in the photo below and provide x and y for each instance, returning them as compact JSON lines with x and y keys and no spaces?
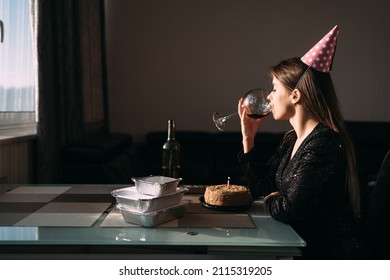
{"x":296,"y":96}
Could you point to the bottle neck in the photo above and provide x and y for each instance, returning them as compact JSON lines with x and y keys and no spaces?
{"x":171,"y":129}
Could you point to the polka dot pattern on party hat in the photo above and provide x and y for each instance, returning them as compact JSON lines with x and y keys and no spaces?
{"x":320,"y":57}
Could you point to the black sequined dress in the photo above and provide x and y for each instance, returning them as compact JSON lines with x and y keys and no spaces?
{"x":313,"y":195}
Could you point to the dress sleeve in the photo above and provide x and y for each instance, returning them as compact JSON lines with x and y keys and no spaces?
{"x":316,"y":168}
{"x":260,"y":175}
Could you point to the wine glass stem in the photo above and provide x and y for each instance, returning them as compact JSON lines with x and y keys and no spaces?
{"x":229,"y":116}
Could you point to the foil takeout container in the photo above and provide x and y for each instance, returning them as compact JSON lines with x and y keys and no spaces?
{"x":155,"y":218}
{"x":130,"y":199}
{"x":156,"y":185}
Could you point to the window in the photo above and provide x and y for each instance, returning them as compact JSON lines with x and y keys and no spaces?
{"x":17,"y":72}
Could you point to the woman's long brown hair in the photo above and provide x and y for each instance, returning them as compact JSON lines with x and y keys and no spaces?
{"x":320,"y":100}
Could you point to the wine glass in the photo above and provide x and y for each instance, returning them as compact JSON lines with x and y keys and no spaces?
{"x":257,"y":103}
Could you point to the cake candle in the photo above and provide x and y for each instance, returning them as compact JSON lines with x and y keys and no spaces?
{"x":228,"y":182}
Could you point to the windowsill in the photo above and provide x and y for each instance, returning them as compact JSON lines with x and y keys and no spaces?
{"x":17,"y":133}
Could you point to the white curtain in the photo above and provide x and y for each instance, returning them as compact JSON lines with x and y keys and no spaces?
{"x":17,"y":74}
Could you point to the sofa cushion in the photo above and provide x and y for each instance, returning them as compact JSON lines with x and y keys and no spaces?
{"x":108,"y":159}
{"x":98,"y":149}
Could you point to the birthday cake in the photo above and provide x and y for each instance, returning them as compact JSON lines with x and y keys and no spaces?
{"x":227,"y":195}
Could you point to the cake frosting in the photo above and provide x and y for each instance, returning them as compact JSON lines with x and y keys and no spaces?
{"x":227,"y":195}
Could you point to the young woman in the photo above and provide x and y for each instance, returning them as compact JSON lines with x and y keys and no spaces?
{"x":310,"y":182}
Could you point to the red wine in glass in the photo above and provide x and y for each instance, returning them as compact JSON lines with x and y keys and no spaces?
{"x":258,"y":116}
{"x":257,"y":103}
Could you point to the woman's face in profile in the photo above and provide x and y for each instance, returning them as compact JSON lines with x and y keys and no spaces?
{"x":280,"y":97}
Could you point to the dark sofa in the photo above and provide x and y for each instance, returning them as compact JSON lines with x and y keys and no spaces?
{"x":207,"y":158}
{"x":106,"y":159}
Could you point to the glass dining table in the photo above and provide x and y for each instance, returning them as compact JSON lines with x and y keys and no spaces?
{"x":82,"y":221}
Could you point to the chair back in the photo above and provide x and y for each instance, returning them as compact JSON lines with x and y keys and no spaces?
{"x":378,"y":215}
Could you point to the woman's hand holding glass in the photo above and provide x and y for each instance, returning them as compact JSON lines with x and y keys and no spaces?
{"x":249,"y":126}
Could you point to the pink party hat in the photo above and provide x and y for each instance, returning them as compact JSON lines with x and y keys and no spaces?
{"x":320,"y":57}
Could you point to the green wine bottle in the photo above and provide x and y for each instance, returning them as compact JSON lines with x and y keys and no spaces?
{"x":171,"y":154}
